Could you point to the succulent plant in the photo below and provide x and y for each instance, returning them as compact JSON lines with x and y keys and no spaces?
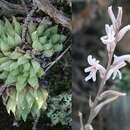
{"x":19,"y":71}
{"x":9,"y":34}
{"x":46,"y":39}
{"x":43,"y":37}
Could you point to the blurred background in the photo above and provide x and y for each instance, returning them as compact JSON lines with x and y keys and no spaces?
{"x":89,"y":19}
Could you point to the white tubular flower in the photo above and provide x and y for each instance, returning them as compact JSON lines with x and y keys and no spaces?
{"x":122,"y":32}
{"x":118,"y":63}
{"x":109,"y":39}
{"x":113,"y":32}
{"x":116,"y":22}
{"x":119,"y":59}
{"x":115,"y":70}
{"x":95,"y":66}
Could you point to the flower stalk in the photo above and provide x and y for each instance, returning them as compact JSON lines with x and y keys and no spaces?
{"x":113,"y":35}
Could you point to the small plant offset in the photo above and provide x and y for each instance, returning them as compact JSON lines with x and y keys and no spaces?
{"x":113,"y":35}
{"x":19,"y":70}
{"x":46,"y":39}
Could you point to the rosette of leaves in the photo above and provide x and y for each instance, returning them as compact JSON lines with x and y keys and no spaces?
{"x":60,"y":109}
{"x":29,"y":100}
{"x":21,"y":73}
{"x":45,"y":38}
{"x":10,"y":34}
{"x":20,"y":69}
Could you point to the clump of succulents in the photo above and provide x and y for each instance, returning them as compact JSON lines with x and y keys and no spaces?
{"x":59,"y":109}
{"x":19,"y":71}
{"x":46,"y":39}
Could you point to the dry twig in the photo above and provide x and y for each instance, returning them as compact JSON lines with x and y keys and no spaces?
{"x":58,"y":58}
{"x":24,"y":5}
{"x":26,"y":23}
{"x":54,"y":13}
{"x":36,"y":122}
{"x":10,"y":9}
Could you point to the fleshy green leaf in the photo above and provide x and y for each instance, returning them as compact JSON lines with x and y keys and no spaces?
{"x":30,"y":98}
{"x":1,"y":55}
{"x":34,"y":36}
{"x":21,"y":82}
{"x":10,"y":40}
{"x":52,"y":30}
{"x":15,"y":72}
{"x":57,"y":38}
{"x":8,"y":27}
{"x":17,"y":26}
{"x":43,"y":39}
{"x":17,"y":39}
{"x":41,"y":28}
{"x":35,"y":111}
{"x":11,"y":104}
{"x":23,"y":108}
{"x":15,"y":55}
{"x":13,"y":66}
{"x":33,"y":81}
{"x":36,"y":66}
{"x":3,"y":59}
{"x":58,"y":47}
{"x":32,"y":27}
{"x":37,"y":46}
{"x":41,"y":96}
{"x":26,"y":66}
{"x":24,"y":59}
{"x":4,"y":46}
{"x":20,"y":97}
{"x":1,"y":27}
{"x":5,"y":66}
{"x":40,"y":72}
{"x":48,"y":53}
{"x":10,"y":80}
{"x":26,"y":109}
{"x":27,"y":56}
{"x":47,"y":46}
{"x":3,"y":75}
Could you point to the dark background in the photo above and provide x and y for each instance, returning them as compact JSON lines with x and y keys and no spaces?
{"x":89,"y":20}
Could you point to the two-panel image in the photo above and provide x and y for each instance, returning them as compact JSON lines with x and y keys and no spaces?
{"x":64,"y":65}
